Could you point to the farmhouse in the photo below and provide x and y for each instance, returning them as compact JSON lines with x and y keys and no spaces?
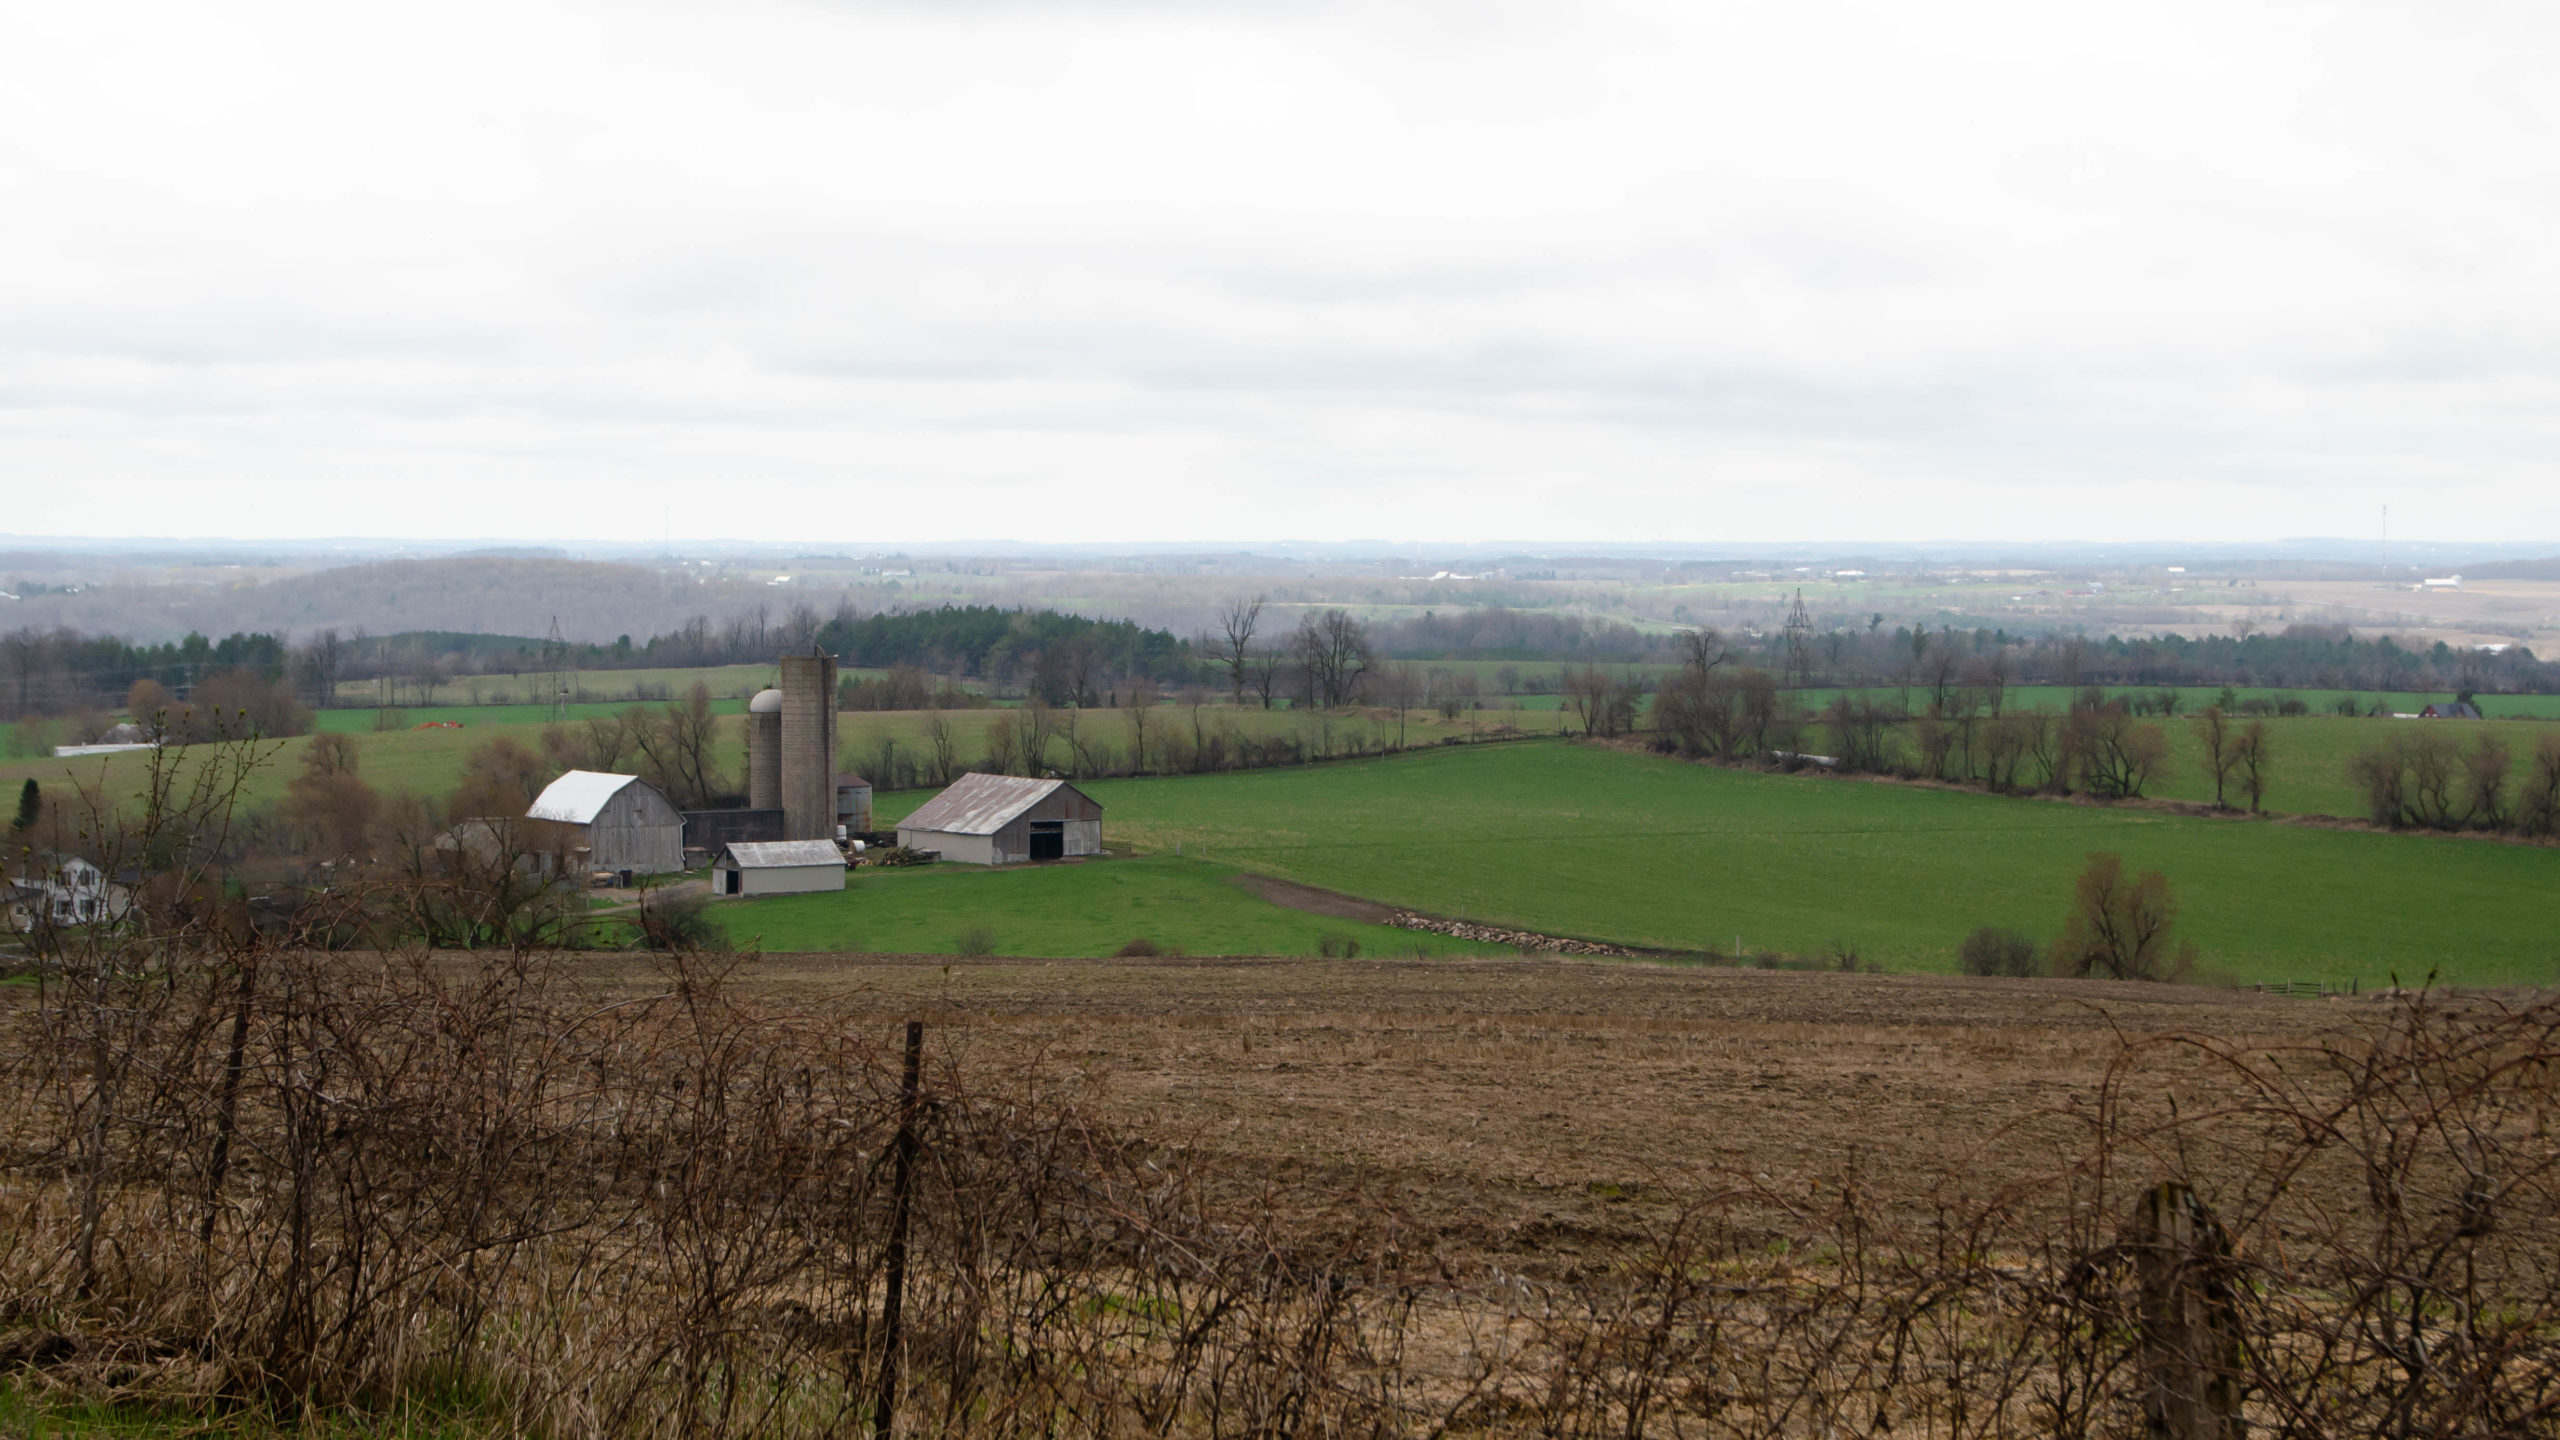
{"x":611,"y":822}
{"x":61,"y":890}
{"x":1004,"y":819}
{"x":777,"y":867}
{"x":2450,"y":710}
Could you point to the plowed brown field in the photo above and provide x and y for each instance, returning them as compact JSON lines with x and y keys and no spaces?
{"x":1508,"y":1105}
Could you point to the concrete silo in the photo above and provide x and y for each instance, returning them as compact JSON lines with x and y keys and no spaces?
{"x":808,"y":746}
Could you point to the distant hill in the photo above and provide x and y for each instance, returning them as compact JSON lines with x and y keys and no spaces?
{"x":478,"y":595}
{"x":2546,"y":569}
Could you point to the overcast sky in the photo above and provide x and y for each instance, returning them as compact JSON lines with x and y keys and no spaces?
{"x":863,"y":273}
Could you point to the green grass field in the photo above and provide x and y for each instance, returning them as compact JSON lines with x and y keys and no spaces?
{"x":429,"y":762}
{"x":1064,"y":911}
{"x":2311,"y":755}
{"x":1649,"y":851}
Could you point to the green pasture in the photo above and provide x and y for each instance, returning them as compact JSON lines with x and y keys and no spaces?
{"x":429,"y":762}
{"x":2311,"y":755}
{"x":1643,"y":850}
{"x":861,"y":733}
{"x":1086,"y":909}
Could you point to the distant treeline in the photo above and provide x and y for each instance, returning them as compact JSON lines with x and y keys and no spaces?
{"x":1068,"y":658}
{"x":2301,"y":657}
{"x":57,"y":672}
{"x":1497,"y":633}
{"x":1072,"y":659}
{"x":1020,"y":646}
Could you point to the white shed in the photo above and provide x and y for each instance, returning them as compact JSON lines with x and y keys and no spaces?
{"x":777,"y":867}
{"x":1003,"y":819}
{"x":612,"y":822}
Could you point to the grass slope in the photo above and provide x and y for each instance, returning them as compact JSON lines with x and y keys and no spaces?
{"x":1651,"y":851}
{"x":1064,"y":911}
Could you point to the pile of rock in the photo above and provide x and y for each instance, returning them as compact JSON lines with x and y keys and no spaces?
{"x":1494,"y":935}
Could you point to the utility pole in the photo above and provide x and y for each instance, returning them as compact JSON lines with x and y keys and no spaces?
{"x":1799,"y":644}
{"x":555,"y":667}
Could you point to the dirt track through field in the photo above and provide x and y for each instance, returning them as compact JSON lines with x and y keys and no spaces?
{"x":1290,"y":895}
{"x":1513,"y":1102}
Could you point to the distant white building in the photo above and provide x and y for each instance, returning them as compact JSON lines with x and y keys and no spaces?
{"x":119,"y":738}
{"x":2449,"y":582}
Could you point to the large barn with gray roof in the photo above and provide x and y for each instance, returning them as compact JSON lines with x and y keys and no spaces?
{"x":1005,"y":819}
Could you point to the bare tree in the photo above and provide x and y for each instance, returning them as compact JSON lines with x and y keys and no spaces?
{"x":2485,"y":766}
{"x":675,"y":743}
{"x":1702,"y":650}
{"x":941,"y":746}
{"x":1039,"y":724}
{"x":1235,"y":643}
{"x":1004,"y":745}
{"x":2118,"y":926}
{"x":1138,"y":706}
{"x":2220,"y":755}
{"x":2249,"y":753}
{"x":1404,"y":682}
{"x":1333,"y":649}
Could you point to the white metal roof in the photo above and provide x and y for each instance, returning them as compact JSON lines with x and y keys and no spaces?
{"x":979,"y":804}
{"x":783,"y":854}
{"x":577,"y":797}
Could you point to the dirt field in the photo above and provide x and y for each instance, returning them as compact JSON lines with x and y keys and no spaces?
{"x":1509,"y":1104}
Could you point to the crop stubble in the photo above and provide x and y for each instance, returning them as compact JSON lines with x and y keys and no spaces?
{"x":1511,"y":1104}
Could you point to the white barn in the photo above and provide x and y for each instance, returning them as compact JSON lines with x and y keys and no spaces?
{"x":611,"y":822}
{"x":777,"y":867}
{"x":1005,"y":819}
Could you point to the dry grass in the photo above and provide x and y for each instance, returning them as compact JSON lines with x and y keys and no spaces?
{"x":1260,"y":1198}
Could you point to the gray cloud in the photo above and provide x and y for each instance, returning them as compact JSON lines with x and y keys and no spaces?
{"x":1138,"y":271}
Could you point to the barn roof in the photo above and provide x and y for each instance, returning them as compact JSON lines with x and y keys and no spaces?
{"x":981,"y":804}
{"x":578,"y":797}
{"x":778,"y":854}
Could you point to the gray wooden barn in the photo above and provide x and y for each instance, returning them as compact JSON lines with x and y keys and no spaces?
{"x":1005,"y":819}
{"x":611,"y":822}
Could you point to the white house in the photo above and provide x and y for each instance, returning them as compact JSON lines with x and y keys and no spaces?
{"x":777,"y":867}
{"x":63,"y":890}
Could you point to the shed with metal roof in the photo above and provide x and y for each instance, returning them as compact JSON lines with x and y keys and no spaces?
{"x":777,"y":867}
{"x":1005,"y":819}
{"x":611,"y":822}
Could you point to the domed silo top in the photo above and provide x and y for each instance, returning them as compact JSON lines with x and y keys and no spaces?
{"x":767,"y":702}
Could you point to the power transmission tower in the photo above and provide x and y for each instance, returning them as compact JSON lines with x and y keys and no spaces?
{"x":1799,"y":644}
{"x":555,"y":670}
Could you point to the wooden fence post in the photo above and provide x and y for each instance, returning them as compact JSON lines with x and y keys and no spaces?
{"x":2190,"y":1327}
{"x":884,"y":1406}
